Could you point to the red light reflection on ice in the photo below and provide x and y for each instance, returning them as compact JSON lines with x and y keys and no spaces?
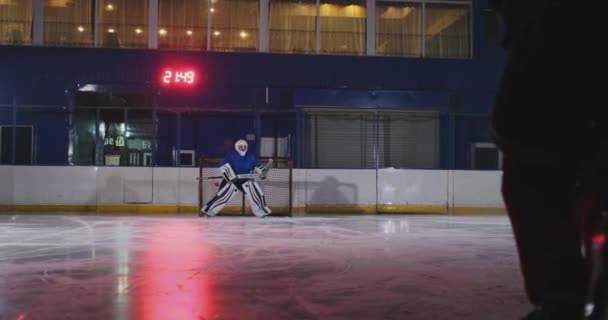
{"x":171,"y":287}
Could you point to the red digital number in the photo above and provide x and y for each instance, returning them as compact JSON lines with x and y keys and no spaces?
{"x":167,"y":76}
{"x":190,"y":77}
{"x":181,"y":77}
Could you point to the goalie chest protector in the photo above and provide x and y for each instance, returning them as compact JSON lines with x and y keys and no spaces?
{"x":240,"y":164}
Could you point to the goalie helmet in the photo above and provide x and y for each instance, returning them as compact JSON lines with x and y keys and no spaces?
{"x":241,"y":147}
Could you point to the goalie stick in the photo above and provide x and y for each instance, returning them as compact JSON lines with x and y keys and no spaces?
{"x":262,"y":175}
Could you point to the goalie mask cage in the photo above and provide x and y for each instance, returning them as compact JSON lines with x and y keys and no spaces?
{"x":277,"y":186}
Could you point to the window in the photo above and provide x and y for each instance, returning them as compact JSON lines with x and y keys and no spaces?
{"x":343,"y":27}
{"x":491,"y":28}
{"x":275,"y":146}
{"x":398,"y":29}
{"x":16,"y":21}
{"x":112,"y":134}
{"x":234,"y":25}
{"x":68,"y":23}
{"x":447,"y":31}
{"x":485,"y":156}
{"x":123,"y":23}
{"x":408,"y":139}
{"x":23,"y":148}
{"x":292,"y":26}
{"x":359,"y":139}
{"x":340,"y":140}
{"x":186,"y":158}
{"x":408,"y":28}
{"x":113,"y":128}
{"x":183,"y":24}
{"x":84,"y":137}
{"x":139,"y":136}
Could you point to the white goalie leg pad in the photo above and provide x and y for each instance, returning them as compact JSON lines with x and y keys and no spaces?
{"x":227,"y":172}
{"x":219,"y":201}
{"x":256,"y":198}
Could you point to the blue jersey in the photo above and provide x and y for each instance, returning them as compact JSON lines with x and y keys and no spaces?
{"x":240,"y":164}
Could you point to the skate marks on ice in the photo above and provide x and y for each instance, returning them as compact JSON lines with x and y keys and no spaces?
{"x":336,"y":267}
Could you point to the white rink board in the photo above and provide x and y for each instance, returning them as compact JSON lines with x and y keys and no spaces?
{"x":478,"y":189}
{"x":299,"y":188}
{"x":412,"y":187}
{"x":123,"y":185}
{"x":340,"y":187}
{"x":7,"y":185}
{"x":54,"y":185}
{"x":166,"y":186}
{"x":188,"y":187}
{"x":43,"y":185}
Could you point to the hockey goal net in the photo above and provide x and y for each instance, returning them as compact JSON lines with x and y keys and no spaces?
{"x":277,"y":186}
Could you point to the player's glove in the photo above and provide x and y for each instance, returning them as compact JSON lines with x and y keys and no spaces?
{"x":261,"y":172}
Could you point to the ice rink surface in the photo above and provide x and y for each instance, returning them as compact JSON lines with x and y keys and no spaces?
{"x":320,"y":267}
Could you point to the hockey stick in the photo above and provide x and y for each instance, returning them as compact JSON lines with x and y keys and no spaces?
{"x":265,"y":169}
{"x":239,"y":176}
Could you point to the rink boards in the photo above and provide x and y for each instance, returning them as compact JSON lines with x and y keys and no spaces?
{"x":174,"y":190}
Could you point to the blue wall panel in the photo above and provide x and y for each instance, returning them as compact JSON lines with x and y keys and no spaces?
{"x":6,"y":116}
{"x":237,"y":79}
{"x":166,"y":138}
{"x":373,"y":99}
{"x":50,"y":133}
{"x":216,"y":133}
{"x":280,"y":125}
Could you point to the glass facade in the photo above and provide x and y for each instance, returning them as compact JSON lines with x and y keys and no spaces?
{"x":183,"y":24}
{"x":234,"y":25}
{"x":343,"y":26}
{"x":123,"y":23}
{"x":399,"y":29}
{"x":16,"y":22}
{"x":447,"y":30}
{"x":69,"y":23}
{"x":427,"y":29}
{"x":292,"y":26}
